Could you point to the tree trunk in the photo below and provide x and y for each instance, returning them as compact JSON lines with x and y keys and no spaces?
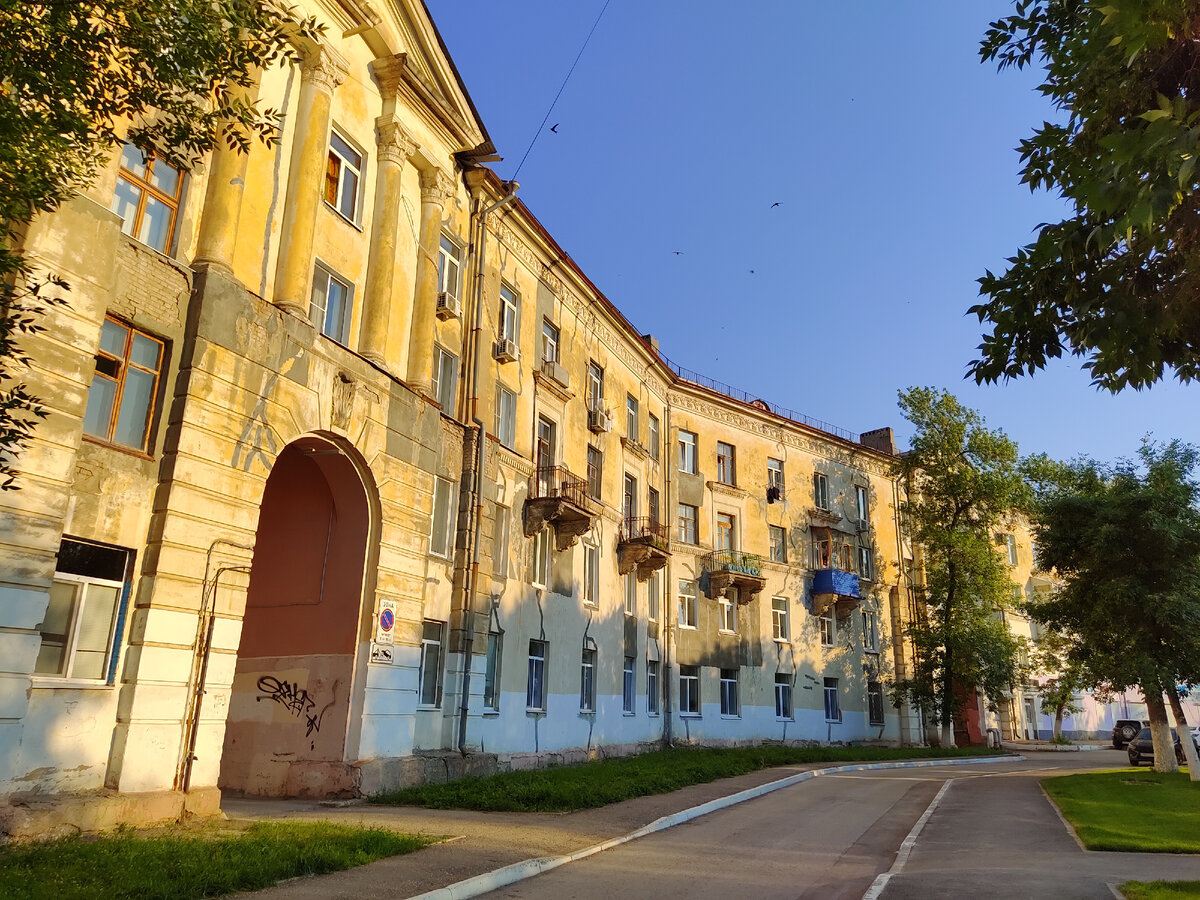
{"x":947,"y":668}
{"x":1058,"y":717}
{"x":1160,"y":731}
{"x":1185,"y":734}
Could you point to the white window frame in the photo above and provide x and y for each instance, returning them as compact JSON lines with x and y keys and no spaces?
{"x":785,"y":711}
{"x":728,"y":615}
{"x":449,"y":266}
{"x":775,"y":472}
{"x":726,"y":537}
{"x":781,"y":630}
{"x":535,"y":684}
{"x":687,"y":451}
{"x":731,"y":706}
{"x":506,"y":417}
{"x":630,"y":588}
{"x":632,"y":418}
{"x":492,"y":667}
{"x":445,"y":378}
{"x":587,"y":681}
{"x":866,"y":567}
{"x":509,"y":325}
{"x":347,"y":166}
{"x":443,"y":496}
{"x":726,"y":463}
{"x":870,"y":622}
{"x":501,"y":535}
{"x":1010,"y":541}
{"x":653,"y":596}
{"x":772,"y":532}
{"x":628,"y":687}
{"x":318,"y":313}
{"x":687,"y":527}
{"x":833,"y":703}
{"x":80,"y":585}
{"x":652,"y":687}
{"x":687,"y":602}
{"x":689,"y":690}
{"x":542,"y":559}
{"x":653,"y":439}
{"x":828,"y":628}
{"x":595,"y":394}
{"x":431,"y":665}
{"x":551,"y":338}
{"x":821,"y":490}
{"x":591,"y":575}
{"x":862,"y":504}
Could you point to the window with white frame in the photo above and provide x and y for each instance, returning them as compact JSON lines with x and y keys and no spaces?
{"x":629,"y":500}
{"x":730,"y":705}
{"x":728,"y":610}
{"x":628,"y":686}
{"x":631,"y":418}
{"x":507,"y":327}
{"x":343,"y":177}
{"x":1010,"y":544}
{"x":870,"y":621}
{"x":491,"y":675}
{"x":587,"y":681}
{"x":833,"y":707}
{"x":652,"y":505}
{"x":864,"y":563}
{"x":449,"y":267}
{"x":685,"y":531}
{"x":595,"y":393}
{"x":445,"y":378}
{"x":778,"y":539}
{"x":80,"y":631}
{"x":862,"y":505}
{"x":652,"y":436}
{"x":726,"y":463}
{"x":430,"y":676}
{"x":689,"y":690}
{"x":550,"y":341}
{"x":820,"y":491}
{"x":687,"y":604}
{"x":124,"y":388}
{"x":595,"y":472}
{"x":687,"y":451}
{"x":147,"y":198}
{"x":631,"y":594}
{"x":501,"y":534}
{"x":875,"y":703}
{"x":331,"y":303}
{"x":726,"y":532}
{"x":535,"y":685}
{"x":541,"y":559}
{"x":774,"y":479}
{"x":828,"y":626}
{"x":783,"y":696}
{"x":442,"y":521}
{"x":591,"y":575}
{"x":506,"y":417}
{"x":652,"y":686}
{"x":653,"y":596}
{"x":780,"y":624}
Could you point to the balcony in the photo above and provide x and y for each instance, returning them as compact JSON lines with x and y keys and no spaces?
{"x":733,"y":568}
{"x":560,"y":498}
{"x":643,"y":544}
{"x":836,"y":589}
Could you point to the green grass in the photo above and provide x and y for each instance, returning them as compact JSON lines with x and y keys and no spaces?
{"x":193,"y":862}
{"x":595,"y":784}
{"x":1131,"y":809}
{"x":1160,"y":890}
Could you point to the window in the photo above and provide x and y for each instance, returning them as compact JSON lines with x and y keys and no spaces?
{"x":689,"y":690}
{"x":541,"y":559}
{"x":783,"y":695}
{"x":449,"y":266}
{"x":591,"y":575}
{"x":631,"y":594}
{"x":629,"y":499}
{"x":445,"y":379}
{"x":1010,"y":544}
{"x":774,"y":479}
{"x":828,"y":629}
{"x":81,"y":629}
{"x":778,"y":538}
{"x":780,"y":629}
{"x":687,"y":604}
{"x":652,"y":686}
{"x":535,"y":686}
{"x":728,"y":610}
{"x":430,"y":675}
{"x":653,"y":592}
{"x":506,"y":417}
{"x":833,"y":709}
{"x":331,"y":303}
{"x":864,"y":563}
{"x":870,"y":622}
{"x":653,"y":510}
{"x":874,"y":703}
{"x":725,"y":463}
{"x":124,"y":387}
{"x":595,"y":392}
{"x":500,"y":537}
{"x":687,"y":452}
{"x":595,"y":471}
{"x":820,"y":491}
{"x":343,"y":173}
{"x":628,"y":685}
{"x":833,"y":552}
{"x":443,"y":517}
{"x":147,"y":198}
{"x":491,"y":675}
{"x":550,"y":338}
{"x":729,"y":693}
{"x":861,"y":505}
{"x":631,"y":417}
{"x":725,"y":531}
{"x":587,"y":682}
{"x":507,"y":327}
{"x":652,"y":439}
{"x":685,"y":531}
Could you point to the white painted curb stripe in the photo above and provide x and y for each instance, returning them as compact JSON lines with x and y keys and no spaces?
{"x":498,"y":878}
{"x":906,"y":847}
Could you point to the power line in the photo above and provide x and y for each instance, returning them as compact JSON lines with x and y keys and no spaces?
{"x":560,"y":90}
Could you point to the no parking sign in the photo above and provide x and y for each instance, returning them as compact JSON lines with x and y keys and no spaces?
{"x":385,"y":622}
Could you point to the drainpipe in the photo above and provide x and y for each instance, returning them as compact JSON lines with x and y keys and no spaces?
{"x":475,"y":504}
{"x":668,"y":604}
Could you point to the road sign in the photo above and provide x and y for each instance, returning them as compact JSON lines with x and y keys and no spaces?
{"x":385,"y":622}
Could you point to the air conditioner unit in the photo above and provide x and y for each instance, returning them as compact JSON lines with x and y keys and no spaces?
{"x":506,"y":350}
{"x":599,"y":420}
{"x":448,"y":306}
{"x":555,"y":372}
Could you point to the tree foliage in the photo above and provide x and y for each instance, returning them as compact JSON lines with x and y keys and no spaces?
{"x":1116,"y":282}
{"x":1125,"y":541}
{"x":964,"y":481}
{"x":77,"y":78}
{"x":1063,"y":676}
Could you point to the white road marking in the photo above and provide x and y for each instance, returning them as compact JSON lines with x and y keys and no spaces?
{"x":906,"y":847}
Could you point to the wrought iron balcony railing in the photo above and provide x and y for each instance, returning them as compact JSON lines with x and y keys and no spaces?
{"x":560,"y":482}
{"x":646,"y":530}
{"x":734,"y":562}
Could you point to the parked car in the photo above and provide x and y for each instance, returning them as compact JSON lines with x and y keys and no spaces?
{"x":1126,"y":730}
{"x":1142,"y":747}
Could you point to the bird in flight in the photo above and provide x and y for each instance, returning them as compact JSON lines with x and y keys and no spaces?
{"x":554,"y":127}
{"x":677,"y":252}
{"x":751,"y":271}
{"x":775,"y":204}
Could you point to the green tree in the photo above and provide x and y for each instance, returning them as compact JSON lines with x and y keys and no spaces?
{"x":1116,"y":282}
{"x":964,"y":481}
{"x":1124,"y":540}
{"x":76,"y":79}
{"x":1063,"y":673}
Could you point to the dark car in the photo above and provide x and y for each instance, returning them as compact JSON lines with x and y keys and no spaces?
{"x":1142,"y":747}
{"x":1125,"y":731}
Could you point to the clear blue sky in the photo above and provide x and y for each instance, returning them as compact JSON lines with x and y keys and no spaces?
{"x":887,"y":144}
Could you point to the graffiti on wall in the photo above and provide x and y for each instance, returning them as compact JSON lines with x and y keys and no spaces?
{"x":296,"y":700}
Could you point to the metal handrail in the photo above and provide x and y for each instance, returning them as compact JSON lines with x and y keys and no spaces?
{"x":643,"y":527}
{"x":559,"y":481}
{"x":734,"y":561}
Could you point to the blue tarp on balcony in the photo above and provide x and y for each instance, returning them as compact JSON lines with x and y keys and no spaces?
{"x":835,"y":581}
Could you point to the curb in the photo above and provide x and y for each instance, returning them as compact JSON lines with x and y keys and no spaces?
{"x":498,"y":878}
